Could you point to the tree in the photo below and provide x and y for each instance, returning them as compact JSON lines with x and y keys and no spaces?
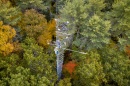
{"x":8,"y":65}
{"x":24,"y":77}
{"x":29,"y":4}
{"x":33,"y":68}
{"x":6,"y":35}
{"x":38,"y":62}
{"x":86,"y":23}
{"x":120,"y":20}
{"x":32,"y":23}
{"x":46,"y":37}
{"x":97,"y":33}
{"x":108,"y":6}
{"x":89,"y":71}
{"x":65,"y":82}
{"x":70,"y":66}
{"x":127,"y":50}
{"x":115,"y":66}
{"x":8,"y":14}
{"x":15,"y":75}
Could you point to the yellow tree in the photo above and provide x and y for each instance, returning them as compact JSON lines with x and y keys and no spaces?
{"x":47,"y":34}
{"x":6,"y":35}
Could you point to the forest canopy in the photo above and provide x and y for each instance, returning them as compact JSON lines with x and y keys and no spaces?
{"x":97,"y":54}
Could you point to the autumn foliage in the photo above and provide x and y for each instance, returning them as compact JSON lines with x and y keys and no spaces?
{"x":32,"y":23}
{"x":127,"y":50}
{"x":70,"y":66}
{"x":6,"y":35}
{"x":47,"y":34}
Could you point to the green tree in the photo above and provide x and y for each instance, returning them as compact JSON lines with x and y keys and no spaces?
{"x":8,"y":64}
{"x":38,"y":62}
{"x":96,"y":33}
{"x":65,"y":82}
{"x":8,"y":14}
{"x":115,"y":66}
{"x":24,"y":77}
{"x":120,"y":20}
{"x":30,"y":4}
{"x":108,"y":6}
{"x":89,"y":71}
{"x":86,"y":23}
{"x":33,"y":68}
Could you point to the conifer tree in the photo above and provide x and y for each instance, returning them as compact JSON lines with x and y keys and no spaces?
{"x":89,"y":71}
{"x":115,"y":66}
{"x":8,"y":14}
{"x":120,"y":22}
{"x":30,"y":4}
{"x":37,"y":61}
{"x":86,"y":23}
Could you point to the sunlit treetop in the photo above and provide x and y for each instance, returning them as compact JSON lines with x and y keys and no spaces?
{"x":6,"y":35}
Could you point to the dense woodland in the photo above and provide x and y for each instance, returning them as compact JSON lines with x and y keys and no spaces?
{"x":101,"y":28}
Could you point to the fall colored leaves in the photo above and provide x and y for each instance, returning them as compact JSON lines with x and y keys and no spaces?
{"x":47,"y":34}
{"x":70,"y":66}
{"x":6,"y":35}
{"x":33,"y":25}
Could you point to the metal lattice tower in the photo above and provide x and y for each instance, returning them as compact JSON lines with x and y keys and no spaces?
{"x":62,"y":40}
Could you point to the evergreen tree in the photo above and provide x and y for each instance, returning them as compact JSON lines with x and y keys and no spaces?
{"x":108,"y":5}
{"x":115,"y":66}
{"x":38,"y":62}
{"x":8,"y":64}
{"x":30,"y":4}
{"x":89,"y":71}
{"x":90,"y":30}
{"x":8,"y":14}
{"x":120,"y":22}
{"x":23,"y":77}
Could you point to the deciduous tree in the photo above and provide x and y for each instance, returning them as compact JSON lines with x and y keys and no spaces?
{"x":46,"y":37}
{"x":6,"y":35}
{"x":32,"y":23}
